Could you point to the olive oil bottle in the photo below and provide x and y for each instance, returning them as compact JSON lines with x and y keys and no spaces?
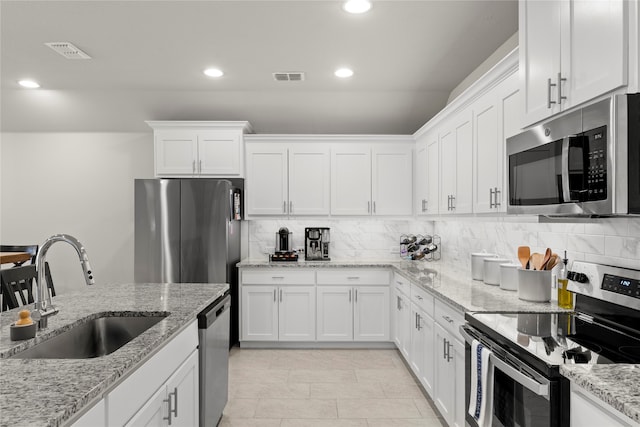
{"x":565,"y":297}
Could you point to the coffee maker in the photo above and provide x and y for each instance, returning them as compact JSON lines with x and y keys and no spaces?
{"x":316,"y":244}
{"x":284,"y":247}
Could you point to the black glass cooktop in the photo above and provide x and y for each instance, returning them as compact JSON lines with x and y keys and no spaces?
{"x":558,"y":338}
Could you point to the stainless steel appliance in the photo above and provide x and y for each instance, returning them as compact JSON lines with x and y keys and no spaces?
{"x":316,"y":244}
{"x":582,"y":163}
{"x":213,"y":359}
{"x":527,"y":349}
{"x":186,"y":231}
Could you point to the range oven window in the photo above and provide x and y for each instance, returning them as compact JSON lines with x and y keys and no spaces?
{"x":514,"y":405}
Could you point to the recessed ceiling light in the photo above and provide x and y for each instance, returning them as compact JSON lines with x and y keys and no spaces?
{"x":213,"y":72}
{"x":357,"y":6}
{"x":344,"y":73}
{"x":29,"y":84}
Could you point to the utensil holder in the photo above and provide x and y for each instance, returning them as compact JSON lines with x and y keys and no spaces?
{"x":534,"y":285}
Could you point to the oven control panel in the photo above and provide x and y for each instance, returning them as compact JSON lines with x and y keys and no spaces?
{"x":614,"y":284}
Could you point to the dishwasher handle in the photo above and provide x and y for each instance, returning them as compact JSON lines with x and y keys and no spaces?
{"x":213,"y":311}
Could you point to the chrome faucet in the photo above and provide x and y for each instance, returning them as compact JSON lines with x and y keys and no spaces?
{"x":43,"y":307}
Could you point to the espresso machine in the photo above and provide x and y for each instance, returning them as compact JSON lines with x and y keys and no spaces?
{"x":316,"y":244}
{"x":284,"y":246}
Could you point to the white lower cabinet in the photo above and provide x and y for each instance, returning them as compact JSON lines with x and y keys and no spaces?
{"x":176,"y":402}
{"x":352,"y":313}
{"x":589,"y":411}
{"x":402,"y":324}
{"x":278,"y":313}
{"x":449,"y":376}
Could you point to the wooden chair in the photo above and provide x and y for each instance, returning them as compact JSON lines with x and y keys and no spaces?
{"x":16,"y":285}
{"x":30,"y":249}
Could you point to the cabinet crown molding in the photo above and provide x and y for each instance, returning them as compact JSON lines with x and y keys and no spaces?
{"x":327,"y":138}
{"x":245,"y":126}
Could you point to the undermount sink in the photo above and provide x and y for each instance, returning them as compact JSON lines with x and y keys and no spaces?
{"x":94,"y":338}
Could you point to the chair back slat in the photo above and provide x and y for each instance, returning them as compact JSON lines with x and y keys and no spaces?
{"x":16,"y":285}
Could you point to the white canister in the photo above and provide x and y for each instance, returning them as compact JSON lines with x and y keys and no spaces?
{"x":477,"y":264}
{"x":509,"y":277}
{"x":492,"y":270}
{"x":534,"y":285}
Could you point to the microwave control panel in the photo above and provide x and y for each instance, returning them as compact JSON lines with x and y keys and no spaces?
{"x":596,"y":163}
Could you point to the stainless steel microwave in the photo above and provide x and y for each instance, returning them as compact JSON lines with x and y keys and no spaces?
{"x":584,"y":163}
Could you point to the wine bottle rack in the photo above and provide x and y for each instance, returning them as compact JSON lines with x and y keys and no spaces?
{"x":420,"y":247}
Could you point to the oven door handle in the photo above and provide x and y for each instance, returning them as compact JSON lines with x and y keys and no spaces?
{"x":538,"y":385}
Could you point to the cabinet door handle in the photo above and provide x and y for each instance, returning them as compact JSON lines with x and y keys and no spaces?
{"x":397,"y":303}
{"x":356,"y":295}
{"x":448,"y":319}
{"x":449,"y":356}
{"x":490,"y":198}
{"x":419,"y":321}
{"x":497,"y":202}
{"x":415,"y":324}
{"x":168,"y":417}
{"x":350,"y":296}
{"x":290,"y":207}
{"x":560,"y":81}
{"x":200,"y":166}
{"x":353,"y":277}
{"x":549,"y":86}
{"x":274,"y":296}
{"x":419,"y":297}
{"x":444,"y":348}
{"x":175,"y":402}
{"x":280,"y":295}
{"x":374,"y":206}
{"x":277,"y":277}
{"x":453,"y":202}
{"x":284,"y":207}
{"x":193,"y":166}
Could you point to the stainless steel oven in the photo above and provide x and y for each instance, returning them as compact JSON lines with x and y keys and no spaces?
{"x":582,"y":163}
{"x":523,"y":385}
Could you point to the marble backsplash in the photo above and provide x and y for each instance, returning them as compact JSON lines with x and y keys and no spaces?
{"x":368,"y":238}
{"x":614,"y":241}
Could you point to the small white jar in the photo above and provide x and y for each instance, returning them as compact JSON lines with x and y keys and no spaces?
{"x":477,"y":264}
{"x":492,"y":270}
{"x":509,"y":277}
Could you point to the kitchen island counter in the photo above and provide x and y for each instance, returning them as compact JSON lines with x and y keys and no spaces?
{"x":50,"y":392}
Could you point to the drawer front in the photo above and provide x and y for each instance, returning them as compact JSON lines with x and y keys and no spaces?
{"x":402,"y":284}
{"x":422,"y":299}
{"x":268,"y":276}
{"x":353,"y":276}
{"x":449,"y":318}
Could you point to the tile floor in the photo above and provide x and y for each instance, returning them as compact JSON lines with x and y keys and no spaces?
{"x":318,"y":388}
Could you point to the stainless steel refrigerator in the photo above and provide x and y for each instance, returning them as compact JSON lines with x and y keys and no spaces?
{"x":188,"y":231}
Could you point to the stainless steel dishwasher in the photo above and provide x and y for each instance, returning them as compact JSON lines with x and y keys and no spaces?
{"x":213,"y":335}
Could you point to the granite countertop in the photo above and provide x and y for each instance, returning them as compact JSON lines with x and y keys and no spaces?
{"x":48,"y":392}
{"x":617,"y":385}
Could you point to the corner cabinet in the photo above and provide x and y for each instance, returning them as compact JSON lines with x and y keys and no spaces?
{"x":199,"y":149}
{"x":571,"y":51}
{"x":372,"y":179}
{"x":589,"y":411}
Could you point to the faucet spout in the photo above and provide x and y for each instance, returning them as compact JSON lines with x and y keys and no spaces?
{"x":43,"y":306}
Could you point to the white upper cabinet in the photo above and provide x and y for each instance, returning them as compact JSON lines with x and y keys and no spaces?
{"x":427,"y":170}
{"x":266,"y":186}
{"x":431,"y":205}
{"x":391,"y":190}
{"x":287,"y":179}
{"x":571,"y":51}
{"x":496,"y":118}
{"x":351,"y":180}
{"x":371,"y":179}
{"x":456,"y":177}
{"x":198,"y":149}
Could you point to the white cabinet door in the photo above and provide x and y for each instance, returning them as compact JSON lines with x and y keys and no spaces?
{"x":309,"y":180}
{"x":183,"y":393}
{"x":589,"y":411}
{"x":457,"y":352}
{"x":539,"y":37}
{"x":592,"y":29}
{"x":154,"y":413}
{"x":219,"y":153}
{"x":94,"y":417}
{"x":433,"y":176}
{"x":463,"y":201}
{"x":447,"y":169}
{"x":334,"y":313}
{"x":371,"y":313}
{"x":351,"y":180}
{"x":488,"y":153}
{"x":176,"y":152}
{"x":396,"y":321}
{"x":266,"y":189}
{"x":297,"y":313}
{"x":404,"y":325}
{"x":259,"y":313}
{"x":416,"y":353}
{"x":444,"y":384}
{"x":427,"y":369}
{"x":509,"y":120}
{"x":392,"y":175}
{"x":421,"y":176}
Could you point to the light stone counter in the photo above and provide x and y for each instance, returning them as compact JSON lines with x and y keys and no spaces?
{"x":616,"y":385}
{"x":48,"y":392}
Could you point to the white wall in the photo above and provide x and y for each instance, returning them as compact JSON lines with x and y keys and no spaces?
{"x":75,"y":183}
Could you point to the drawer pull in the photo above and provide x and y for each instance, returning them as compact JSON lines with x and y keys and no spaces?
{"x":277,"y":277}
{"x":353,"y":277}
{"x":448,"y":319}
{"x":419,"y":297}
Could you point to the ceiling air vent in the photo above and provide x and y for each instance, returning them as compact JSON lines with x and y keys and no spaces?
{"x":68,"y":50}
{"x":289,"y":76}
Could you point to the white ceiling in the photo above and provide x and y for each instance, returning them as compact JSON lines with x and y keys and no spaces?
{"x":148,"y":58}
